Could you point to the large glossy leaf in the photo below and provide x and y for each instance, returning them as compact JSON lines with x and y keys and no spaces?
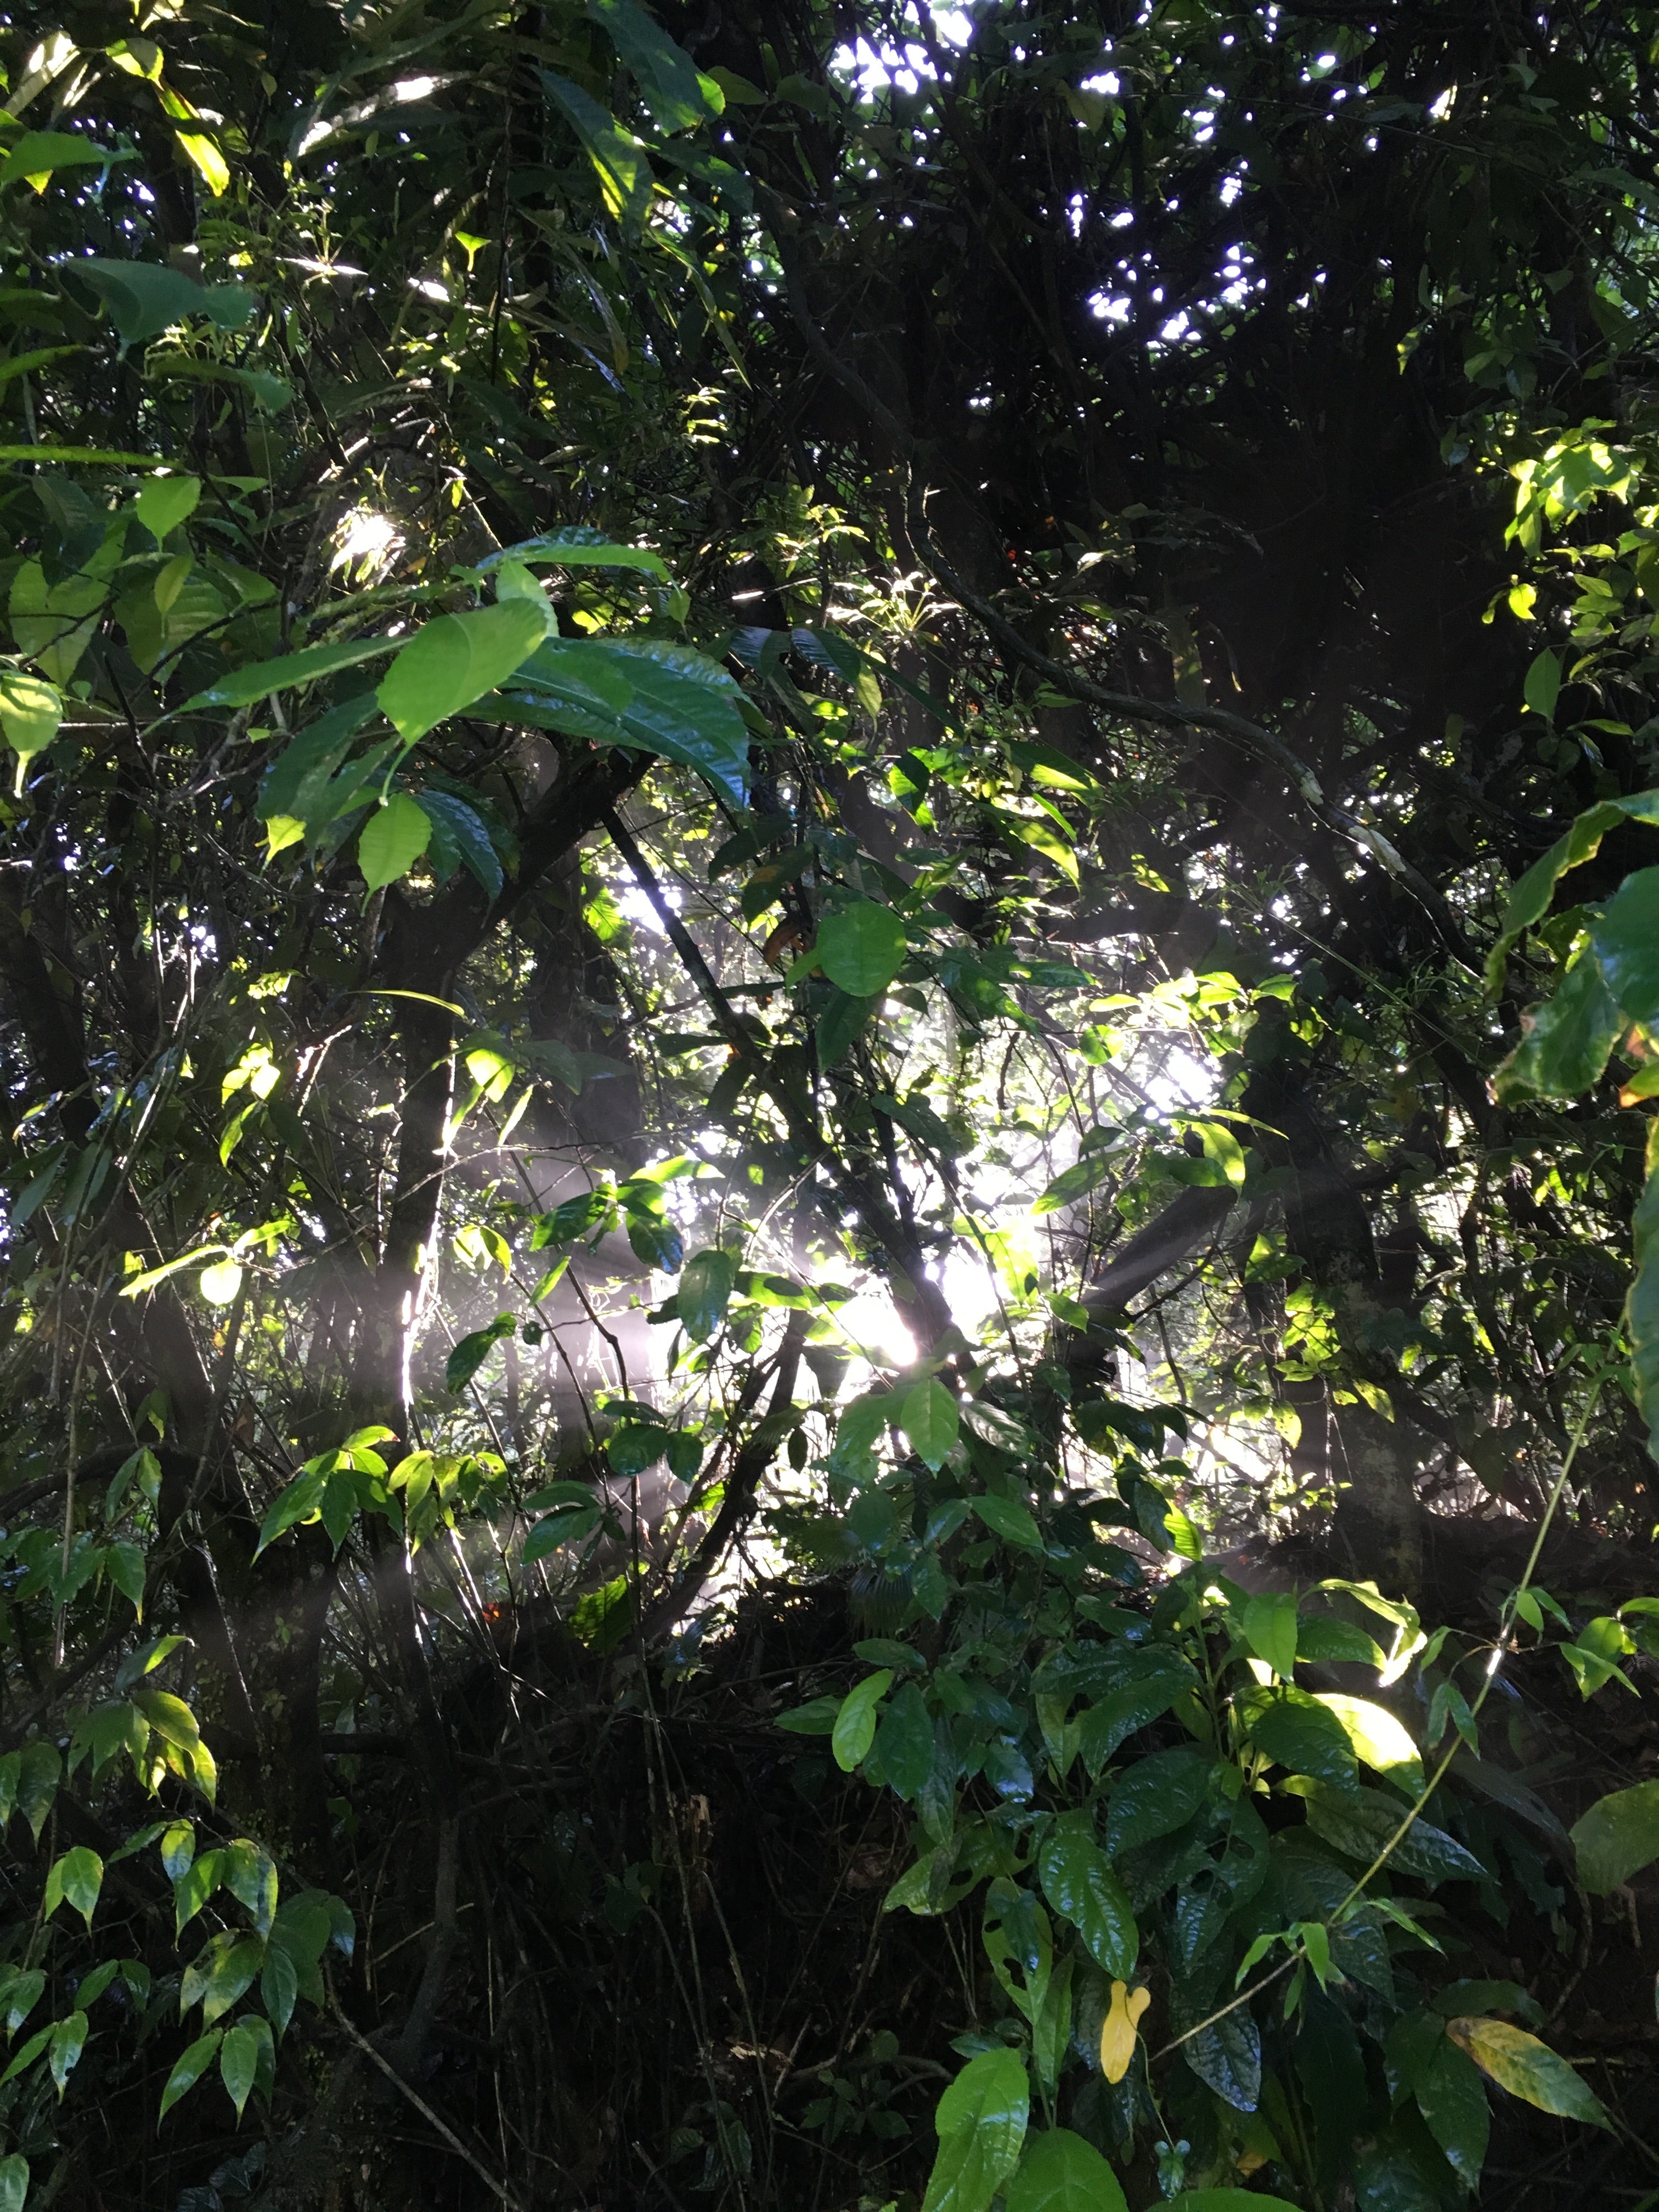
{"x":1377,"y":1738}
{"x":1566,"y":1042}
{"x":1270,"y":1629}
{"x":1157,"y":1795}
{"x":454,"y":660}
{"x":145,"y":298}
{"x":1079,"y":1883}
{"x":1617,"y":1837}
{"x":904,"y":1742}
{"x":929,"y":1416}
{"x":982,"y":2121}
{"x":1061,"y":2172}
{"x":1295,"y":1729}
{"x":707,"y":1282}
{"x":1360,"y":1823}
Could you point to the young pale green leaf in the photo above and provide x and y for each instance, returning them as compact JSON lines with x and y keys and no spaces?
{"x":1061,"y":2172}
{"x":1525,"y":2067}
{"x":68,"y":2041}
{"x":855,"y":1729}
{"x":1270,"y":1629}
{"x":189,"y":2069}
{"x":13,"y":2182}
{"x":862,"y":948}
{"x":165,"y":502}
{"x":455,"y":659}
{"x":982,"y":2121}
{"x":929,"y":1416}
{"x":393,"y":838}
{"x":1617,"y":1837}
{"x":220,"y":1283}
{"x":31,"y":711}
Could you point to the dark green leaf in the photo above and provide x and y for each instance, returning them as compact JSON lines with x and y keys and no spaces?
{"x":1079,"y":1882}
{"x":862,"y":948}
{"x":1294,"y":1729}
{"x":469,"y":1354}
{"x":1617,"y":1837}
{"x":1061,"y":2172}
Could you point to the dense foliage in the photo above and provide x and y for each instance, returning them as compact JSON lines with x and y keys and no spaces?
{"x":830,"y":979}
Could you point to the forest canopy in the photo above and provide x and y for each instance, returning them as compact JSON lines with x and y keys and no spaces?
{"x":829,"y":1000}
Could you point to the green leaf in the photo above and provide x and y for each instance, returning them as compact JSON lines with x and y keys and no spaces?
{"x":1008,"y":1518}
{"x":1294,"y":1729}
{"x":854,"y":1731}
{"x":165,"y":502}
{"x":904,"y":1742}
{"x":1227,"y":2200}
{"x":31,"y":711}
{"x":143,"y":298}
{"x":455,"y":659}
{"x":1566,"y":1042}
{"x":279,"y":1985}
{"x":393,"y":838}
{"x":982,"y":2121}
{"x":707,"y":1282}
{"x":1157,"y":1795}
{"x":1061,"y":2172}
{"x":929,"y":1416}
{"x":1452,"y":2098}
{"x":1625,"y":939}
{"x":1270,"y":1629}
{"x":189,"y":2069}
{"x":618,"y":159}
{"x":1543,"y":684}
{"x":658,"y":698}
{"x":38,"y":153}
{"x":225,"y":1969}
{"x":40,"y":1770}
{"x":469,"y":1354}
{"x":19,"y":1995}
{"x":76,"y":1879}
{"x":1078,"y":1180}
{"x":250,"y":1875}
{"x":817,"y":1717}
{"x":1377,"y":1739}
{"x":220,"y":1283}
{"x":572,"y":1524}
{"x":862,"y":948}
{"x":840,"y":1024}
{"x":245,"y":687}
{"x":1617,"y":1837}
{"x":13,"y":2182}
{"x":1359,"y":1823}
{"x":579,"y":547}
{"x":239,"y":2055}
{"x":1525,"y":2067}
{"x":68,"y":2041}
{"x":453,"y":819}
{"x":677,"y":95}
{"x":1078,"y":1881}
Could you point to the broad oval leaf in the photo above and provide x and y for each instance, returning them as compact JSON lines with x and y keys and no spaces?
{"x":1617,"y":1837}
{"x":904,"y":1742}
{"x":707,"y":1282}
{"x":982,"y":2121}
{"x":189,"y":2069}
{"x":1008,"y":1518}
{"x":862,"y":948}
{"x":393,"y":838}
{"x":929,"y":1416}
{"x":1296,"y":1731}
{"x":455,"y":659}
{"x":1061,"y":2172}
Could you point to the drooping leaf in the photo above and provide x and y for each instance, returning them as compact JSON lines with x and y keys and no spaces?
{"x":1525,"y":2067}
{"x":679,"y":97}
{"x":189,"y":2069}
{"x":165,"y":501}
{"x":393,"y":838}
{"x":1270,"y":1627}
{"x":469,"y":1354}
{"x":1452,"y":2098}
{"x":707,"y":1282}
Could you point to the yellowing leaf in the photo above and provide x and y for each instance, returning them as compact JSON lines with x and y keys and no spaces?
{"x":1525,"y":2067}
{"x":1120,"y":2030}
